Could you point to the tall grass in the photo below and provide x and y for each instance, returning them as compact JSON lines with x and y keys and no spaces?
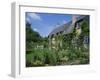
{"x":47,"y":57}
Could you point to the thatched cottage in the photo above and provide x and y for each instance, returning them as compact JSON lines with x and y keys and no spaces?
{"x":74,"y":24}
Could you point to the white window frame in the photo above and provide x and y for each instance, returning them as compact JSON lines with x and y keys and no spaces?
{"x":18,"y":41}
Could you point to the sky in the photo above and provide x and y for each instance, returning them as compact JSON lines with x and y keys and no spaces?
{"x":44,"y":23}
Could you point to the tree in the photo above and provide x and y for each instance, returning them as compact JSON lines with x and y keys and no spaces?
{"x":85,"y":28}
{"x":32,"y":37}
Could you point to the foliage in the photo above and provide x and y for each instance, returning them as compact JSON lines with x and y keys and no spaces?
{"x":37,"y":63}
{"x":32,"y":37}
{"x":68,"y":53}
{"x":38,"y":55}
{"x":85,"y":28}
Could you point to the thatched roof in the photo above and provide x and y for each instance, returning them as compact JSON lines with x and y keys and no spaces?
{"x":65,"y":28}
{"x":68,"y":27}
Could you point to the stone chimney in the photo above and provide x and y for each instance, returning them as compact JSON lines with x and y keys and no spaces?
{"x":74,"y":18}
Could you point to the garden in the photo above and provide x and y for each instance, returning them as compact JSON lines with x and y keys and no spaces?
{"x":39,"y":54}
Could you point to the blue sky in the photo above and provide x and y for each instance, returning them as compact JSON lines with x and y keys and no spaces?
{"x":44,"y":23}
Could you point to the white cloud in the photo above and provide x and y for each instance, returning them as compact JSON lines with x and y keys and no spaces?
{"x":34,"y":16}
{"x":35,"y":29}
{"x":28,"y":20}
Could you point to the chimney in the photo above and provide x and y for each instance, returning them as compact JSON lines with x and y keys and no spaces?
{"x":74,"y":18}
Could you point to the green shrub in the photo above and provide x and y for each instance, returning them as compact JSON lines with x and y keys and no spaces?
{"x":64,"y":60}
{"x":72,"y":54}
{"x":53,"y":58}
{"x":46,"y":53}
{"x":37,"y":63}
{"x":42,"y":57}
{"x":50,"y":56}
{"x":38,"y":55}
{"x":29,"y":58}
{"x":29,"y":64}
{"x":62,"y":56}
{"x":47,"y":57}
{"x":84,"y":61}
